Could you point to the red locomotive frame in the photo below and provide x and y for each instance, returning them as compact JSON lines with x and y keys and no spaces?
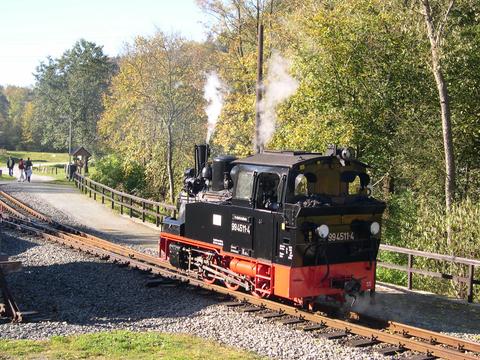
{"x":301,"y":285}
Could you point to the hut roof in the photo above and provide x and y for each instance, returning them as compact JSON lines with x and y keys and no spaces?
{"x":81,"y":151}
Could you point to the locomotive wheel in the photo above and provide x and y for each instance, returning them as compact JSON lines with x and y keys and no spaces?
{"x":231,"y":286}
{"x":260,"y":294}
{"x":209,"y":278}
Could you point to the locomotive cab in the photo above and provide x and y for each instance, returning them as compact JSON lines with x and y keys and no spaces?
{"x":291,"y":224}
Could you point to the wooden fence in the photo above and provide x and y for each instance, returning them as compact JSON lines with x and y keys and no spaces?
{"x":136,"y":206}
{"x":47,"y":169}
{"x":469,"y":280}
{"x":143,"y":208}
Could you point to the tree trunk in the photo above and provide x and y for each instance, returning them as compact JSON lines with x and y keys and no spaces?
{"x":169,"y":164}
{"x":240,"y":41}
{"x":444,"y":106}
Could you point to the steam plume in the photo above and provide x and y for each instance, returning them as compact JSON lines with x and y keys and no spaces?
{"x":279,"y":86}
{"x":213,"y":93}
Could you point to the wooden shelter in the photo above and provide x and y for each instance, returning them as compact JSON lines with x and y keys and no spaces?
{"x":81,"y":157}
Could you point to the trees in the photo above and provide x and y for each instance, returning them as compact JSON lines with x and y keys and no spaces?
{"x":15,"y":110}
{"x":154,"y":112}
{"x":362,"y":84}
{"x":435,"y":36}
{"x":3,"y":118}
{"x":70,"y":88}
{"x":235,"y":43}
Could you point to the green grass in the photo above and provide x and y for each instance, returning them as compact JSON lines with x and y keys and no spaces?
{"x":59,"y":178}
{"x":121,"y":345}
{"x":36,"y":157}
{"x":6,"y":177}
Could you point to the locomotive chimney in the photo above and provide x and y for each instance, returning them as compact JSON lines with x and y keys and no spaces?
{"x":201,"y":157}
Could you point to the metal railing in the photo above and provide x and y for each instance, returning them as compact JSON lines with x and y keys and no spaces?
{"x":469,"y":280}
{"x":136,"y":206}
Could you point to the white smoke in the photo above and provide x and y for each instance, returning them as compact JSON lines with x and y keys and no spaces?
{"x":213,"y":93}
{"x":278,"y":86}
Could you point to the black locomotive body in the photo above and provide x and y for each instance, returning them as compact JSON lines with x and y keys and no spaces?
{"x":291,"y":224}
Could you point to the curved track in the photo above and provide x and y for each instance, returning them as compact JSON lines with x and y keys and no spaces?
{"x":18,"y":215}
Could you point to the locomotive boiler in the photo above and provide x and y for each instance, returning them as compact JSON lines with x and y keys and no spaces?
{"x":287,"y":224}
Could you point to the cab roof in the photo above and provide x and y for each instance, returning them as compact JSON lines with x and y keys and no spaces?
{"x":287,"y":159}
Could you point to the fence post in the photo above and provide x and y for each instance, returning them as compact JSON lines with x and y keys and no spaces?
{"x":56,"y":171}
{"x":131,"y":207}
{"x":121,"y":205}
{"x":113,"y":200}
{"x":158,"y":215}
{"x":94,"y":191}
{"x":143,"y":211}
{"x":471,"y":273}
{"x":90,"y":189}
{"x":410,"y":274}
{"x":103,"y":195}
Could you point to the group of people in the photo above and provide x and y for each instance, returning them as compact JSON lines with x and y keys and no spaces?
{"x":25,"y":168}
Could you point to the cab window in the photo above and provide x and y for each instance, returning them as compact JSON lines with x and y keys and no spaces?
{"x":244,"y":185}
{"x":356,"y":182}
{"x":301,"y":185}
{"x":268,"y":191}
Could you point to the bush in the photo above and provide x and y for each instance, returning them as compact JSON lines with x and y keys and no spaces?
{"x":109,"y":171}
{"x":113,"y":172}
{"x":420,"y":223}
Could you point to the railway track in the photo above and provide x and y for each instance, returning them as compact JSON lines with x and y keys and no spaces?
{"x":399,"y":337}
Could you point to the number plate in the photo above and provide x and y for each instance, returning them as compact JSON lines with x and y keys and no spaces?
{"x":341,"y":236}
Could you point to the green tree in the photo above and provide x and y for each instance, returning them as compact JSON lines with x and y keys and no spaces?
{"x":234,"y":31}
{"x":18,"y":99}
{"x":154,"y":113}
{"x":3,"y":119}
{"x":70,"y":88}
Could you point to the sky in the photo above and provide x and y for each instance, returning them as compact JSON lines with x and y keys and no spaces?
{"x":31,"y":30}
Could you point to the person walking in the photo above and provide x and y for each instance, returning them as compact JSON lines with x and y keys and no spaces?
{"x":10,"y":165}
{"x":28,"y":169}
{"x":21,"y":167}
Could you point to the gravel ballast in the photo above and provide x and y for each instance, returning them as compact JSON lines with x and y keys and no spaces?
{"x":80,"y":294}
{"x":77,"y":294}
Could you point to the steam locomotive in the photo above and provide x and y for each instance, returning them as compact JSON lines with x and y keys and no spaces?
{"x":286,"y":224}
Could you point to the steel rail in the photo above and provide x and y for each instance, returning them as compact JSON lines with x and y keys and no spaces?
{"x":8,"y":208}
{"x":133,"y":258}
{"x":25,"y":207}
{"x":433,"y":337}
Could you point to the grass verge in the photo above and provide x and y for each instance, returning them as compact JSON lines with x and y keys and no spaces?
{"x":36,"y":157}
{"x":121,"y":345}
{"x":7,"y":177}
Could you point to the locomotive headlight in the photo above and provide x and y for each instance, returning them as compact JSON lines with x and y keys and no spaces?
{"x":322,"y":231}
{"x":346,"y":154}
{"x":374,"y":228}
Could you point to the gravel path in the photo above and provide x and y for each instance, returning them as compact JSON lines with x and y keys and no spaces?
{"x":67,"y":205}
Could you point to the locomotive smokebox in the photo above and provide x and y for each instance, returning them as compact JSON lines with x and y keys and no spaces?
{"x":221,"y":169}
{"x":202,"y":152}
